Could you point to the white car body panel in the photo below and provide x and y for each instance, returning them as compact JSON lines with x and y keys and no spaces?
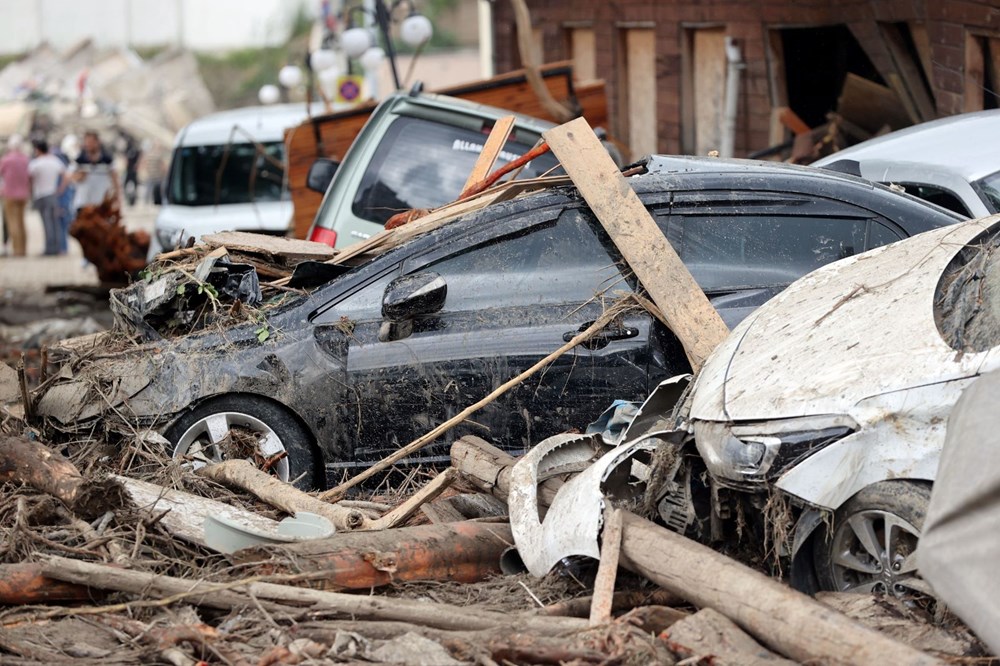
{"x":855,"y":340}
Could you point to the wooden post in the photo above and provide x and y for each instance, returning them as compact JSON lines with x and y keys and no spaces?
{"x":664,"y":276}
{"x":491,"y":150}
{"x":607,"y":569}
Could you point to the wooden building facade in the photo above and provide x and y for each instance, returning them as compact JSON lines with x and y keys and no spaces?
{"x":667,"y":62}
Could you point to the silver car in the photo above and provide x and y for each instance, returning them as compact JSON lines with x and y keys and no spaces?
{"x":952,"y":162}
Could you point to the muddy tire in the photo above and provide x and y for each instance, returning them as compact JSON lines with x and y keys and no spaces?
{"x":870,"y":545}
{"x":202,"y":435}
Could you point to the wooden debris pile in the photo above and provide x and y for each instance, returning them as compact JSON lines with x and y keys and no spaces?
{"x":421,"y":582}
{"x":118,"y":254}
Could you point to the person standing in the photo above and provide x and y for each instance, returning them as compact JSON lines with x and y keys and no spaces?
{"x":45,"y":171}
{"x":93,"y":174}
{"x":67,"y":152}
{"x":16,"y":185}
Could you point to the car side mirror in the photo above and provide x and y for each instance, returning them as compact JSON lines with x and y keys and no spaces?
{"x":320,"y":174}
{"x":413,"y":295}
{"x":157,"y":194}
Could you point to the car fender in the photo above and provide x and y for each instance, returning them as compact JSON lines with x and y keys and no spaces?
{"x":900,"y":437}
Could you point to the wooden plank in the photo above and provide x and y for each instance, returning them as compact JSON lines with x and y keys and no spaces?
{"x":432,"y":489}
{"x":908,"y":72}
{"x":922,"y":42}
{"x":186,"y":513}
{"x":709,"y":87}
{"x":688,"y":312}
{"x":640,"y":45}
{"x":289,"y":249}
{"x":975,"y":71}
{"x":583,"y":47}
{"x":607,"y":568}
{"x":491,"y":151}
{"x":870,"y":105}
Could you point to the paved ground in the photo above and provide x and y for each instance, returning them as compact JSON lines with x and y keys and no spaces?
{"x":35,"y":272}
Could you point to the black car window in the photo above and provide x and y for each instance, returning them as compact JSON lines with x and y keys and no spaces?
{"x":560,"y":262}
{"x":880,"y":235}
{"x":937,"y":195}
{"x":228,"y":174}
{"x":740,"y":251}
{"x":990,"y":188}
{"x":423,"y":164}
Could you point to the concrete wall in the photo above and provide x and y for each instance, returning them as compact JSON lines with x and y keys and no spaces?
{"x":196,"y":24}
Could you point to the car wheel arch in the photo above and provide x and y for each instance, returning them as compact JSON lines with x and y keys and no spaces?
{"x":317,"y":451}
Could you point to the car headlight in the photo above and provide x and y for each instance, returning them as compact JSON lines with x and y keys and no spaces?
{"x":743,"y":453}
{"x":169,"y":238}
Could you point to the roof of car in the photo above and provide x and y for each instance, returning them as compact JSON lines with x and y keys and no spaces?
{"x":446,"y":102}
{"x":693,"y":164}
{"x":262,"y":123}
{"x":964,"y":144}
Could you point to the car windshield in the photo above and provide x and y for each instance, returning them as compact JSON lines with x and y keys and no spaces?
{"x":227,"y":174}
{"x":424,"y":164}
{"x":990,"y":187}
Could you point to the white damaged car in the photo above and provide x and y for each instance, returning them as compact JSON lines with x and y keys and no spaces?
{"x":835,"y":396}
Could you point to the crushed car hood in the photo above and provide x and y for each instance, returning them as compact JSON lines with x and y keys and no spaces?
{"x":857,"y":328}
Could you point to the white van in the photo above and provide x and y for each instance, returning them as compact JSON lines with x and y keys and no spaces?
{"x":227,"y":172}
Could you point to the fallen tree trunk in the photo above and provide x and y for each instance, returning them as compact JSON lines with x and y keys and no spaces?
{"x":464,"y":552}
{"x":24,"y":583}
{"x":228,"y":596}
{"x":245,"y":475}
{"x":783,"y":619}
{"x":33,"y":463}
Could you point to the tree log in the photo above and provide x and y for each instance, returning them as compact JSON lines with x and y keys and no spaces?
{"x":245,"y":475}
{"x":225,"y":596}
{"x":432,"y":489}
{"x":465,"y":552}
{"x":23,"y":583}
{"x":31,"y":462}
{"x":785,"y":620}
{"x":710,"y":636}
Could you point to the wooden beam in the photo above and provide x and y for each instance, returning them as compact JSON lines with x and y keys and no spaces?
{"x":491,"y":150}
{"x":688,"y":311}
{"x":975,"y":69}
{"x":910,"y":80}
{"x":607,"y":569}
{"x":435,"y":487}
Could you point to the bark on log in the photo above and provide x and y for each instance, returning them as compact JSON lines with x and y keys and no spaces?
{"x":223,"y":596}
{"x":788,"y":621}
{"x":708,"y":635}
{"x":464,"y":552}
{"x":783,"y":619}
{"x":245,"y":475}
{"x":23,"y":583}
{"x":33,"y":463}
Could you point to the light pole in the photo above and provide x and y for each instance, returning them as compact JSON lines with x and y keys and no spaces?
{"x":415,"y":30}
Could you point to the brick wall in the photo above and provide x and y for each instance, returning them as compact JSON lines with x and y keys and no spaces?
{"x":947,"y":24}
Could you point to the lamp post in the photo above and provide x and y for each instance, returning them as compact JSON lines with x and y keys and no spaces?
{"x":415,"y":30}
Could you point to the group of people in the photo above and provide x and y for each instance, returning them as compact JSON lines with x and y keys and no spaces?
{"x":57,"y":186}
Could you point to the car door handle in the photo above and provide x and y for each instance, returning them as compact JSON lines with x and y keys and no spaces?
{"x":603,"y":337}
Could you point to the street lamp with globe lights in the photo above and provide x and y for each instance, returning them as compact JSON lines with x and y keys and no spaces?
{"x":415,"y":30}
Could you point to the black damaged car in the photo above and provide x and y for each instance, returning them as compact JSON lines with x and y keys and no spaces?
{"x":378,"y":356}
